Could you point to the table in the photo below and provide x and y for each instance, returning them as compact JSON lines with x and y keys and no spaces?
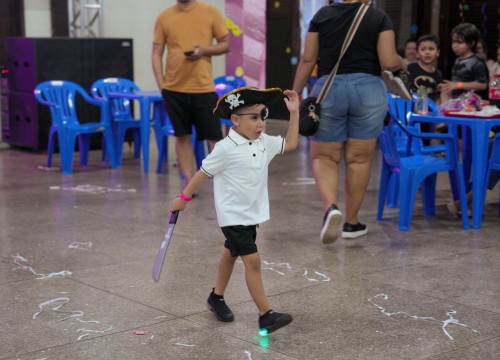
{"x":146,"y":100}
{"x":475,"y":153}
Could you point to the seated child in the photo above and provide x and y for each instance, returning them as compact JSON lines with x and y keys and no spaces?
{"x":469,"y":71}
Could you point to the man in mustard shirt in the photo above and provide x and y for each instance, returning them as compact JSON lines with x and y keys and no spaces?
{"x":188,"y":30}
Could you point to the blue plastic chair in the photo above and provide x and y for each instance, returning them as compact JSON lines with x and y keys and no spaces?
{"x":225,"y":84}
{"x":61,"y":96}
{"x":494,"y":163}
{"x":163,"y":129}
{"x":400,"y":109}
{"x":417,"y":170}
{"x":122,"y":117}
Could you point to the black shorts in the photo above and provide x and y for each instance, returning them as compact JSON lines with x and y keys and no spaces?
{"x":240,"y":239}
{"x":186,"y":110}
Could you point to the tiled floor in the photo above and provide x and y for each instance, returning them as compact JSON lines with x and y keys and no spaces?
{"x":77,"y":252}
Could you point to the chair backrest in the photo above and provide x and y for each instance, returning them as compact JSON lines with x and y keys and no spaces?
{"x":399,"y":108}
{"x":60,"y":96}
{"x":388,"y":145}
{"x":227,"y":83}
{"x":121,"y":107}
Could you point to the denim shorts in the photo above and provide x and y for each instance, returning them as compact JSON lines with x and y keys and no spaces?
{"x":355,"y":108}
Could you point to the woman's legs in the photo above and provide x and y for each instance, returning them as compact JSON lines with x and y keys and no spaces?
{"x":358,"y":156}
{"x":325,"y":158}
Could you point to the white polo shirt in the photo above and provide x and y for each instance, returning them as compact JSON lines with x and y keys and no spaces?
{"x":239,"y":168}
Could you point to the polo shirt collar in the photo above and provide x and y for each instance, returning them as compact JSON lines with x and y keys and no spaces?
{"x":237,"y":139}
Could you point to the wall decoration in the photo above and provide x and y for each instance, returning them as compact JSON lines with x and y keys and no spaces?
{"x":246,"y":21}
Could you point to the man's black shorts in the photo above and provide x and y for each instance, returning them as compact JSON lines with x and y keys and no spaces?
{"x":186,"y":110}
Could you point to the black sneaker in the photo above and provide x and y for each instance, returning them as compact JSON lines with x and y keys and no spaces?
{"x":217,"y":305}
{"x":272,"y":321}
{"x":331,"y":224}
{"x":353,"y":231}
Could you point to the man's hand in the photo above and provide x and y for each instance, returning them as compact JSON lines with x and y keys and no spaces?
{"x":196,"y":53}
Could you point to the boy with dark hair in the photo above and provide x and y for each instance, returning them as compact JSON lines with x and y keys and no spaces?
{"x":423,"y":74}
{"x":469,"y":71}
{"x":239,"y":166}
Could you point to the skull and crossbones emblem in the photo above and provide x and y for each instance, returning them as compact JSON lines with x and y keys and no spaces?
{"x":234,"y":101}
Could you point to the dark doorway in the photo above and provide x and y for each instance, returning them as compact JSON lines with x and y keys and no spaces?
{"x":283,"y":43}
{"x":11,"y":23}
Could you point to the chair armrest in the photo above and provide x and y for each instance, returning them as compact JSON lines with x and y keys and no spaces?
{"x":41,"y":100}
{"x":94,"y":101}
{"x":449,"y":140}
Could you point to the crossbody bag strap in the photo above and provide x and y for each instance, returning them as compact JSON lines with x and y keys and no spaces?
{"x":350,"y":35}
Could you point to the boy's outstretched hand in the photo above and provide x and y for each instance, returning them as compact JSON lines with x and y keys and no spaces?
{"x":291,"y":100}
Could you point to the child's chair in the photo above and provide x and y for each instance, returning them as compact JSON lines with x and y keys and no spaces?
{"x":122,"y":117}
{"x":60,"y":96}
{"x":415,"y":170}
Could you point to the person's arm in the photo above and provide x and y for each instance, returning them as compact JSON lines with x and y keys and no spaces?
{"x":157,"y":62}
{"x":189,"y":190}
{"x":387,"y":54}
{"x":223,"y":46}
{"x":449,"y":86}
{"x":292,"y":134}
{"x":307,"y":62}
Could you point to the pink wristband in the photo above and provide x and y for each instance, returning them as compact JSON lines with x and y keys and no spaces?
{"x":184,"y":197}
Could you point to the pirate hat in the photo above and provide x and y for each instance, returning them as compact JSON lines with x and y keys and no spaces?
{"x":245,"y":96}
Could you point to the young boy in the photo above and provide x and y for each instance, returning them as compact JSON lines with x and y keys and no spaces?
{"x":469,"y":71}
{"x":239,"y":167}
{"x":423,"y":74}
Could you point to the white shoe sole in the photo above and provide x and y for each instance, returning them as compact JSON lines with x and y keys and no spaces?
{"x":354,"y":234}
{"x":330,"y":230}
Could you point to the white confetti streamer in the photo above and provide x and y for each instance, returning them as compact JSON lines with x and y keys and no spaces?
{"x":445,"y":323}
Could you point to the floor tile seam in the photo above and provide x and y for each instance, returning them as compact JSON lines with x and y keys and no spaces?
{"x":235,"y":337}
{"x":416,"y":262}
{"x":434,"y":297}
{"x":109,"y":217}
{"x":88,"y":339}
{"x":87,"y":269}
{"x":123,"y":297}
{"x":461,"y":347}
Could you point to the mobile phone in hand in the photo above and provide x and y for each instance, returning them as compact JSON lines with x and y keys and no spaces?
{"x":188,"y":53}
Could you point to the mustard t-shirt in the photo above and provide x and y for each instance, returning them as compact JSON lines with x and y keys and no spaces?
{"x":180,"y":30}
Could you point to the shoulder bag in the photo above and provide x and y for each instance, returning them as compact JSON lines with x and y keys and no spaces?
{"x":310,"y":107}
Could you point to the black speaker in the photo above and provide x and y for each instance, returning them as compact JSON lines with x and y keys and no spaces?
{"x":31,"y":61}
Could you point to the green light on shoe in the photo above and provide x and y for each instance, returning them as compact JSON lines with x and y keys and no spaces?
{"x":264,"y":342}
{"x":263,"y":332}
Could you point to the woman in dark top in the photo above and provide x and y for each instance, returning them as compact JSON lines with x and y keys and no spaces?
{"x":353,"y":112}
